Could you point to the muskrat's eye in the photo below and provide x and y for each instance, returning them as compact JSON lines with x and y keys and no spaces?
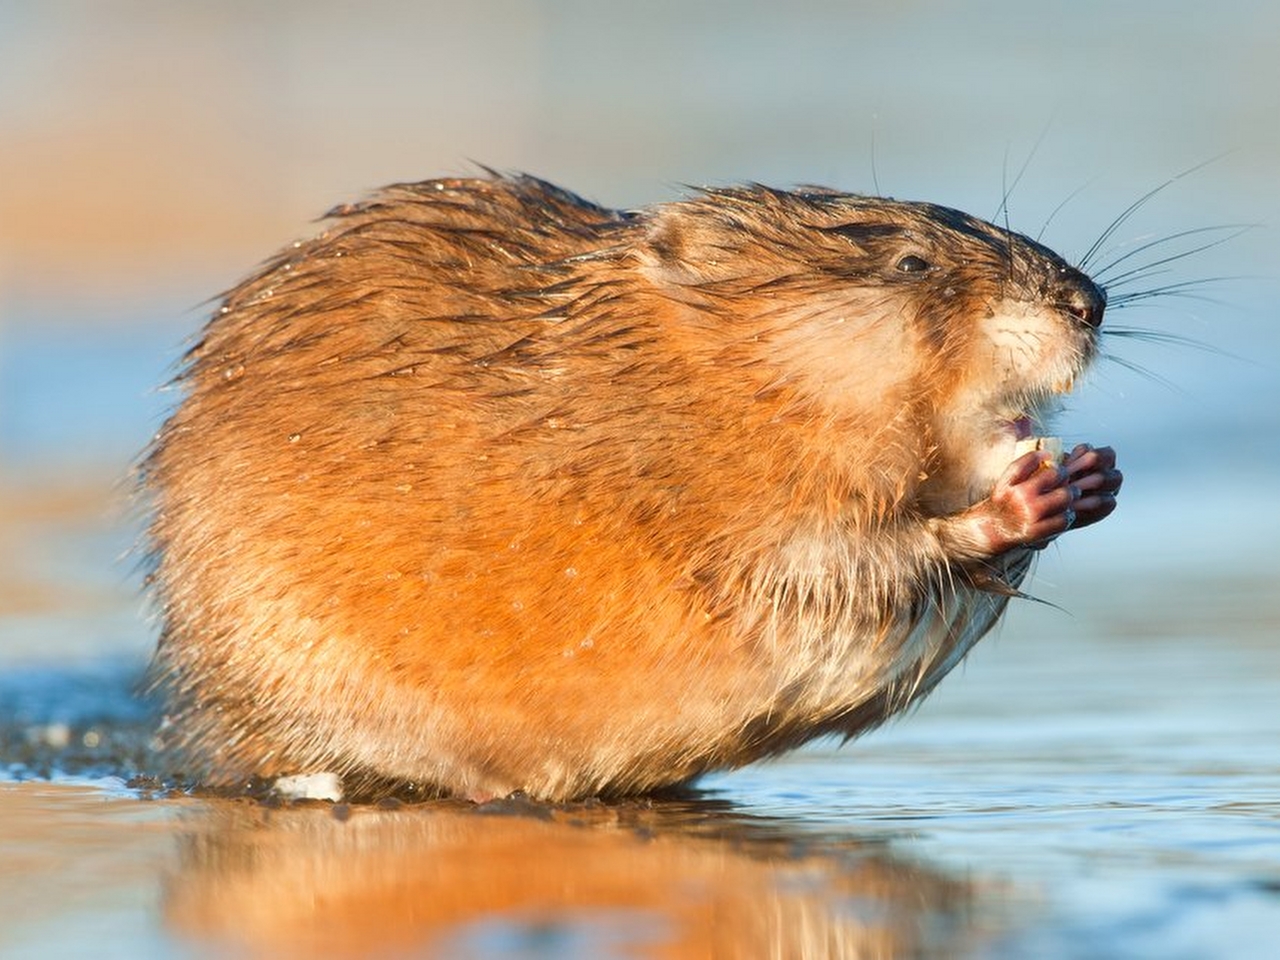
{"x":913,"y":264}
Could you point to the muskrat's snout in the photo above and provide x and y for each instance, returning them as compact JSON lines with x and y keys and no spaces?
{"x":1080,"y":297}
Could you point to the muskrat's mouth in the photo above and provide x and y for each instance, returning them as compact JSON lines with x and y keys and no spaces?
{"x":1026,"y":416}
{"x":1026,"y":423}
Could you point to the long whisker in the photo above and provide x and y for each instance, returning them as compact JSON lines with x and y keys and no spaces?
{"x":1167,"y":287}
{"x":1060,"y":207}
{"x":1003,"y":209}
{"x":1005,"y":190}
{"x":1136,"y":278}
{"x":1167,"y":339}
{"x":1142,"y":298}
{"x":875,"y":178}
{"x":1137,"y":205}
{"x":1182,"y":289}
{"x":1143,"y":372}
{"x":1007,"y":187}
{"x":1236,"y":230}
{"x":1155,"y":336}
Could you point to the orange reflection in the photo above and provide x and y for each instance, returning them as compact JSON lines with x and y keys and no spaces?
{"x":671,"y":880}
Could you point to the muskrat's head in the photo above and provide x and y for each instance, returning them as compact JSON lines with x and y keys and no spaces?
{"x":888,"y":312}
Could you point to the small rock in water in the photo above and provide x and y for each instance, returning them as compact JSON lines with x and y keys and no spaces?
{"x":310,"y":786}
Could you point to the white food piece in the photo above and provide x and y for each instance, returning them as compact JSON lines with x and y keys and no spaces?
{"x":1050,"y":445}
{"x":309,"y":786}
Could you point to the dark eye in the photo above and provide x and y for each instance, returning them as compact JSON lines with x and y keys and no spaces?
{"x":913,"y":264}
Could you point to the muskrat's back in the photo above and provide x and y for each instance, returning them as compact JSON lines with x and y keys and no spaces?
{"x":488,"y":488}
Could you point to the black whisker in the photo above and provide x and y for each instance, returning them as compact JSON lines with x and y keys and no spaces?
{"x":1060,"y":207}
{"x":1008,"y":188}
{"x":1137,"y":205}
{"x":1166,"y":339}
{"x":1236,"y":230}
{"x":1181,"y":289}
{"x":1137,"y":278}
{"x":1143,"y":372}
{"x":875,"y":179}
{"x":1004,"y":209}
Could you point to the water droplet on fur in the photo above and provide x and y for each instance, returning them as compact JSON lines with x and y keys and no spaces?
{"x":295,"y":437}
{"x":233,"y":372}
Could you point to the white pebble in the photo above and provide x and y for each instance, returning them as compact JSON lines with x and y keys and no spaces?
{"x":310,"y":786}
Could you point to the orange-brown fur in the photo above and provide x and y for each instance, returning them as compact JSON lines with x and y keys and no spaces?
{"x":487,"y":488}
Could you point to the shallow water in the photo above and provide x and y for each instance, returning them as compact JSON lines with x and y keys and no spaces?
{"x":1101,"y":778}
{"x":1085,"y":788}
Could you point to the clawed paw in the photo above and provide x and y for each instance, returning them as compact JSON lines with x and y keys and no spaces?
{"x":1036,"y":500}
{"x":1092,"y":472}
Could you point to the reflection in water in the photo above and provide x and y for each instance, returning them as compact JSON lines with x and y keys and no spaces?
{"x":680,"y":879}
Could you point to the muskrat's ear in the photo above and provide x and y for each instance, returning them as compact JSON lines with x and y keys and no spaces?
{"x":667,"y":237}
{"x":670,"y":250}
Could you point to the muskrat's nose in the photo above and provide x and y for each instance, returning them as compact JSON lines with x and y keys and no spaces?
{"x":1080,"y":297}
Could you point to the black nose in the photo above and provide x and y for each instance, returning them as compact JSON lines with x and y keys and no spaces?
{"x":1080,"y":297}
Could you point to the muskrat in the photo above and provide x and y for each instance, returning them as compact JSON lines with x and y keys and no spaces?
{"x":487,"y":488}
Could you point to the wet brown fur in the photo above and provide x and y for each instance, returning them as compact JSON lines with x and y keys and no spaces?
{"x":489,"y":488}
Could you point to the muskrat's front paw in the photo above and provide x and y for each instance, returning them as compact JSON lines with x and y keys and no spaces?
{"x":1036,"y":500}
{"x":1092,"y":471}
{"x":1033,"y":502}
